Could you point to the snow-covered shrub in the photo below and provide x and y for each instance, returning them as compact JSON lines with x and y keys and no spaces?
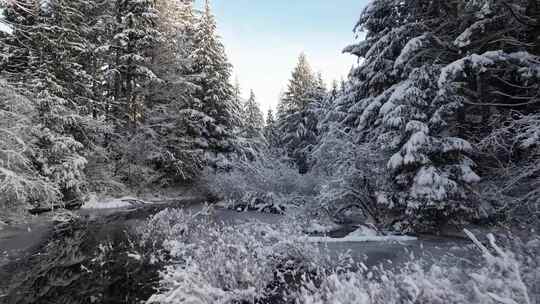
{"x":214,"y":263}
{"x":168,"y":229}
{"x":501,"y":278}
{"x":352,"y":176}
{"x":506,"y":277}
{"x":265,"y":184}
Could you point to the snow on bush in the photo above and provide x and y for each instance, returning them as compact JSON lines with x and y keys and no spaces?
{"x":213,"y":263}
{"x":255,"y":262}
{"x":265,"y":185}
{"x":503,"y":277}
{"x":351,"y":174}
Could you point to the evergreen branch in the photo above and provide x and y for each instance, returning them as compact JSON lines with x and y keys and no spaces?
{"x":511,"y":96}
{"x":520,"y":18}
{"x":512,"y":84}
{"x":510,"y":105}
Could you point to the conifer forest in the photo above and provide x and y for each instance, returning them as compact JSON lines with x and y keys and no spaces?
{"x":135,"y":168}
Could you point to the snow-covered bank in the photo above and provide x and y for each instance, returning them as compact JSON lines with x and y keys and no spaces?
{"x":113,"y":203}
{"x":362,"y":234}
{"x":363,"y":238}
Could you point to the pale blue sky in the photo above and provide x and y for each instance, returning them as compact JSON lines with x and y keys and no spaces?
{"x":263,"y":39}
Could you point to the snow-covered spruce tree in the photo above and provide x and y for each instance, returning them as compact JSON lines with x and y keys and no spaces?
{"x":491,"y":88}
{"x":50,"y":44}
{"x":297,"y":115}
{"x":239,"y":102}
{"x":334,"y":91}
{"x":495,"y":95}
{"x":132,"y":35}
{"x":251,"y":141}
{"x":20,"y":181}
{"x":270,"y":131}
{"x":430,"y":168}
{"x":391,"y":100}
{"x":215,"y":93}
{"x":170,"y":147}
{"x":46,"y":56}
{"x":423,"y":97}
{"x":254,"y":121}
{"x":387,"y":29}
{"x":14,"y":55}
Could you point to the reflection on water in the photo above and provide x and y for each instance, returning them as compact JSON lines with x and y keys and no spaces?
{"x":87,"y":263}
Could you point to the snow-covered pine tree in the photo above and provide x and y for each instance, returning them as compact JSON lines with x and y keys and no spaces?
{"x":297,"y":121}
{"x":215,"y":92}
{"x":424,"y":96}
{"x":14,"y":59}
{"x":47,"y":51}
{"x":49,"y":45}
{"x":319,"y":91}
{"x":133,"y":34}
{"x":254,"y":121}
{"x":431,"y":168}
{"x":388,"y":28}
{"x":250,"y":141}
{"x":301,"y":86}
{"x":164,"y":139}
{"x":391,"y":99}
{"x":238,"y":105}
{"x":270,"y":131}
{"x":491,"y":85}
{"x":321,"y":102}
{"x":169,"y":55}
{"x":21,"y":183}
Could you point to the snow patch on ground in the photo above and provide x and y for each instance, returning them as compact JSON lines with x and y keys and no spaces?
{"x":321,"y":228}
{"x":113,"y":203}
{"x":363,"y":234}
